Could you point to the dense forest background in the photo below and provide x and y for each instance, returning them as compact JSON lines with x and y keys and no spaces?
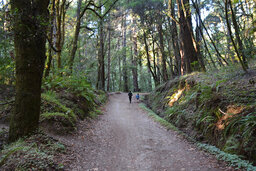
{"x":51,"y":48}
{"x":123,"y":45}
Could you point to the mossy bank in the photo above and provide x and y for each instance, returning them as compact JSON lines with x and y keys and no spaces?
{"x":217,"y":108}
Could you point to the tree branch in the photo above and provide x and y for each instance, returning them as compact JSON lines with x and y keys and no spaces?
{"x":50,"y":43}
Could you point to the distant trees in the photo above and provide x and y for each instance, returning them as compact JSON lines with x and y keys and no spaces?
{"x":30,"y":19}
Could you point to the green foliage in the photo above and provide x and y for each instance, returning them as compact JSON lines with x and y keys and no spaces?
{"x":50,"y":98}
{"x":243,"y":127}
{"x":199,"y":110}
{"x":231,"y":145}
{"x":95,"y":113}
{"x":6,"y":70}
{"x":73,"y":83}
{"x":57,"y":114}
{"x":234,"y":160}
{"x":33,"y":153}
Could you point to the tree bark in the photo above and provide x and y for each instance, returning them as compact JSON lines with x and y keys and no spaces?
{"x":49,"y":60}
{"x":237,"y":34}
{"x":163,"y":54}
{"x":101,"y":56}
{"x":109,"y":55}
{"x":157,"y":82}
{"x":125,"y":74}
{"x":188,"y":49}
{"x":135,"y":58}
{"x":61,"y":8}
{"x":29,"y":43}
{"x":198,"y":39}
{"x":76,"y":36}
{"x":175,"y":40}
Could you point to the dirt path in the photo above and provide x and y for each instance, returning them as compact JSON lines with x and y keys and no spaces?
{"x":125,"y":138}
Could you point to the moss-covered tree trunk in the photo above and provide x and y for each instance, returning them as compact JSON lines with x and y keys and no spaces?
{"x":29,"y":21}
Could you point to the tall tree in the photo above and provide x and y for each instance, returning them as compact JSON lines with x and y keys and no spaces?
{"x":109,"y":55}
{"x":188,"y":49}
{"x":79,"y":15}
{"x":162,"y":50}
{"x":29,"y":42}
{"x":125,"y":74}
{"x":50,"y":38}
{"x":174,"y":36}
{"x":61,"y":9}
{"x":134,"y":55}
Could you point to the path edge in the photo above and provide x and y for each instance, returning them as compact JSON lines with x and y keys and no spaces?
{"x":231,"y":159}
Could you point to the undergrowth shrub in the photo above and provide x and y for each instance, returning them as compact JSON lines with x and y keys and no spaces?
{"x":58,"y":106}
{"x":34,"y":153}
{"x":68,"y":98}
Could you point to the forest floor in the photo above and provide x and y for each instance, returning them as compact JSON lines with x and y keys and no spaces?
{"x":126,"y":138}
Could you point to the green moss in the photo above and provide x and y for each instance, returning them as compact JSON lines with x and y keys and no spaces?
{"x":234,"y":160}
{"x":59,"y":107}
{"x":56,"y":114}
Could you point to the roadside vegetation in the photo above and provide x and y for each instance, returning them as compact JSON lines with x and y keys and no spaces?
{"x":66,"y":100}
{"x":216,"y":108}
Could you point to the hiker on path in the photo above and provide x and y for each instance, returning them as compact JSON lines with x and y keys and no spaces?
{"x":138,"y":96}
{"x":130,"y":96}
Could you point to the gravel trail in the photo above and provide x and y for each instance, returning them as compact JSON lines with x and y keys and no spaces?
{"x":126,"y":139}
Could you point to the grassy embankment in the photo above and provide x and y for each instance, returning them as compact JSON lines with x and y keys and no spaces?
{"x":216,"y":108}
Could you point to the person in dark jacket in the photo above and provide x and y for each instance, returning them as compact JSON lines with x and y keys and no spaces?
{"x":130,"y":96}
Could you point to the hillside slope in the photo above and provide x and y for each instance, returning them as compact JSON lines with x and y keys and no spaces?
{"x":217,"y":108}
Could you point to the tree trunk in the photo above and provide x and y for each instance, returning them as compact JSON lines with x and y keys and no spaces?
{"x":49,"y":60}
{"x":125,"y":76}
{"x":163,"y":54}
{"x":189,"y":52}
{"x":198,"y":39}
{"x":60,"y":34}
{"x":101,"y":69}
{"x":76,"y":36}
{"x":109,"y":56}
{"x":134,"y":58}
{"x":29,"y":43}
{"x":207,"y":49}
{"x":237,"y":33}
{"x":175,"y":40}
{"x":157,"y":82}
